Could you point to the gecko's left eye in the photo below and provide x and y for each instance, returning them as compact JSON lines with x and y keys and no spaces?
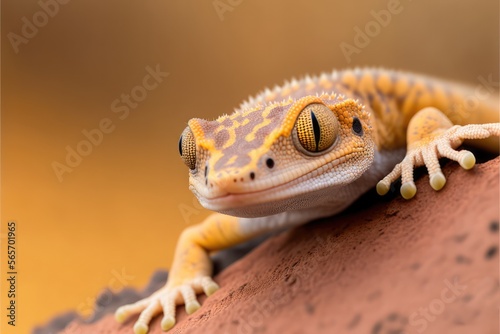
{"x":187,"y":148}
{"x":316,"y":129}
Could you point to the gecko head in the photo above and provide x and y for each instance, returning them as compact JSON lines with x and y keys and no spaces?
{"x":278,"y":157}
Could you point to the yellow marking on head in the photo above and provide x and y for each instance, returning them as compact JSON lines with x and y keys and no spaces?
{"x":230,"y":129}
{"x":251,"y":136}
{"x":232,"y":159}
{"x":232,"y":134}
{"x":219,"y":128}
{"x":246,"y":113}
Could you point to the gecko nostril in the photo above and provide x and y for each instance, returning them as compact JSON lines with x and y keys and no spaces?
{"x":270,"y":163}
{"x":252,"y":175}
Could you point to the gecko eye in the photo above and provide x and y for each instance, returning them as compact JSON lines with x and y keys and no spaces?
{"x":316,"y":129}
{"x":187,"y":148}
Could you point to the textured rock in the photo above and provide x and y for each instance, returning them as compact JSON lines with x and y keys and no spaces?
{"x":384,"y":266}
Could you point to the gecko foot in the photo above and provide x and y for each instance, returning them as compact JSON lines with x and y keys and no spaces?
{"x":166,"y":300}
{"x":427,"y":152}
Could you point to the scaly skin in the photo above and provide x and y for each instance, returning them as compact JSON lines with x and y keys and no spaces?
{"x":307,"y":150}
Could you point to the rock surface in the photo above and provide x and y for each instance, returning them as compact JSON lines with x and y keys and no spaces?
{"x":386,"y":265}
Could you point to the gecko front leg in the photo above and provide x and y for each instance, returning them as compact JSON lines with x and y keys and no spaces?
{"x":190,"y":273}
{"x":430,"y":136}
{"x":191,"y":270}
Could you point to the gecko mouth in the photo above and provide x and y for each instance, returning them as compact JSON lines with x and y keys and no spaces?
{"x":235,"y":200}
{"x":286,"y":190}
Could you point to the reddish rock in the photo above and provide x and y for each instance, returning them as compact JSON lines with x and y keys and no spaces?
{"x":387,"y":265}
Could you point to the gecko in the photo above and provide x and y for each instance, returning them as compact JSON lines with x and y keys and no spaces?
{"x":307,"y":150}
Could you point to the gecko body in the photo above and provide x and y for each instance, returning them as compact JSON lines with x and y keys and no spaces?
{"x":306,"y":150}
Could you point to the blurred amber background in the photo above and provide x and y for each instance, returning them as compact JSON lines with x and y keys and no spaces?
{"x":122,"y":208}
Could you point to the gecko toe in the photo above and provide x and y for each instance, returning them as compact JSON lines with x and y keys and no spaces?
{"x":167,"y":322}
{"x":467,"y":161}
{"x":209,"y":286}
{"x":382,"y":188}
{"x":140,"y":328}
{"x":121,"y":314}
{"x":408,"y":190}
{"x":192,"y":307}
{"x":437,"y":181}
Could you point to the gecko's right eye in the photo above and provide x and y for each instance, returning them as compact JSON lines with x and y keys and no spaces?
{"x":316,"y":129}
{"x":187,"y":148}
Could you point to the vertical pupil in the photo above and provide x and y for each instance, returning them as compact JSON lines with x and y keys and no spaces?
{"x":316,"y":129}
{"x":180,"y":146}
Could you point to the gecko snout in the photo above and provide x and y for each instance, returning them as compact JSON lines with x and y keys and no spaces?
{"x":230,"y":180}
